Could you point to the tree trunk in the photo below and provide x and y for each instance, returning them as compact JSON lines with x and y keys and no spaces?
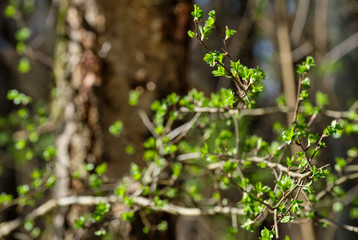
{"x":143,"y":47}
{"x":148,"y":53}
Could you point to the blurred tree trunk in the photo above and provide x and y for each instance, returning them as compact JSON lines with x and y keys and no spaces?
{"x":148,"y":53}
{"x":105,"y":49}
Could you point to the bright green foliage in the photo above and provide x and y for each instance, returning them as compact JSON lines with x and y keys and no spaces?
{"x":23,"y":34}
{"x":133,"y":97}
{"x":229,"y":32}
{"x":191,"y":34}
{"x":197,"y":13}
{"x":285,"y":183}
{"x":49,"y":153}
{"x":305,"y":66}
{"x":267,"y":234}
{"x":101,"y":210}
{"x":130,"y":149}
{"x":10,"y":11}
{"x":24,"y":65}
{"x":18,"y":98}
{"x":321,"y":99}
{"x":212,"y":58}
{"x":306,"y":83}
{"x":5,"y":198}
{"x":101,"y":169}
{"x":135,"y":171}
{"x":289,"y":135}
{"x":286,"y":219}
{"x":116,"y":128}
{"x":333,"y":128}
{"x":200,"y":151}
{"x":100,"y":232}
{"x":81,"y":221}
{"x":163,"y":226}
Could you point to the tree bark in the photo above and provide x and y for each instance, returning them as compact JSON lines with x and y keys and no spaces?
{"x":105,"y":49}
{"x":148,"y":53}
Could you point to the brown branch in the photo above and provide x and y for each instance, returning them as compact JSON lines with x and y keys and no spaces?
{"x":258,"y":160}
{"x":337,"y":224}
{"x":337,"y":182}
{"x":299,"y":21}
{"x":7,"y":227}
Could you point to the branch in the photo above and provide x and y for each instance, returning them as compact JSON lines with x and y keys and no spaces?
{"x":299,"y":21}
{"x":337,"y":182}
{"x":336,"y":224}
{"x":342,"y":48}
{"x":268,"y":163}
{"x":265,"y":111}
{"x":7,"y":227}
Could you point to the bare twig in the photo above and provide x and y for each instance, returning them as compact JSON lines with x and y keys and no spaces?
{"x":146,"y":121}
{"x":342,"y":48}
{"x":299,"y":21}
{"x":337,"y":224}
{"x":7,"y":227}
{"x":275,"y":223}
{"x":181,"y":131}
{"x":337,"y":182}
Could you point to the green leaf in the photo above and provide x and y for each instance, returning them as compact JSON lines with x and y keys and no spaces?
{"x":321,"y":99}
{"x":306,"y":83}
{"x":116,"y":128}
{"x":305,"y":66}
{"x":135,"y":172}
{"x":229,"y":33}
{"x":304,"y":94}
{"x":101,"y":210}
{"x":229,"y":167}
{"x":219,"y":72}
{"x":100,"y":232}
{"x":191,"y":34}
{"x":163,"y":226}
{"x":10,"y":11}
{"x":285,"y":183}
{"x":36,"y":232}
{"x":197,"y":13}
{"x":130,"y":149}
{"x":49,"y":153}
{"x":51,"y":181}
{"x":101,"y":169}
{"x":24,"y":65}
{"x":150,"y":143}
{"x":340,"y":163}
{"x":133,"y":97}
{"x":23,"y":34}
{"x":81,"y":221}
{"x":286,"y":219}
{"x":266,"y":234}
{"x":212,"y":58}
{"x":29,"y":224}
{"x":289,"y":135}
{"x":23,"y":189}
{"x":338,"y":207}
{"x":95,"y":181}
{"x":176,"y":169}
{"x":128,"y":216}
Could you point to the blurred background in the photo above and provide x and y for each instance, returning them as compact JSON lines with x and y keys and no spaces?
{"x":90,"y":54}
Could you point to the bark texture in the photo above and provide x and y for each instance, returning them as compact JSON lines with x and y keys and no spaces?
{"x":148,"y":52}
{"x":77,"y":70}
{"x":105,"y":49}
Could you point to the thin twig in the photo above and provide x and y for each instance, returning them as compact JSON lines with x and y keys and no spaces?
{"x":275,"y":223}
{"x":146,"y":121}
{"x":7,"y":227}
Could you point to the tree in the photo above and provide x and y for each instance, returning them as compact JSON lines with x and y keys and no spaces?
{"x":201,"y":158}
